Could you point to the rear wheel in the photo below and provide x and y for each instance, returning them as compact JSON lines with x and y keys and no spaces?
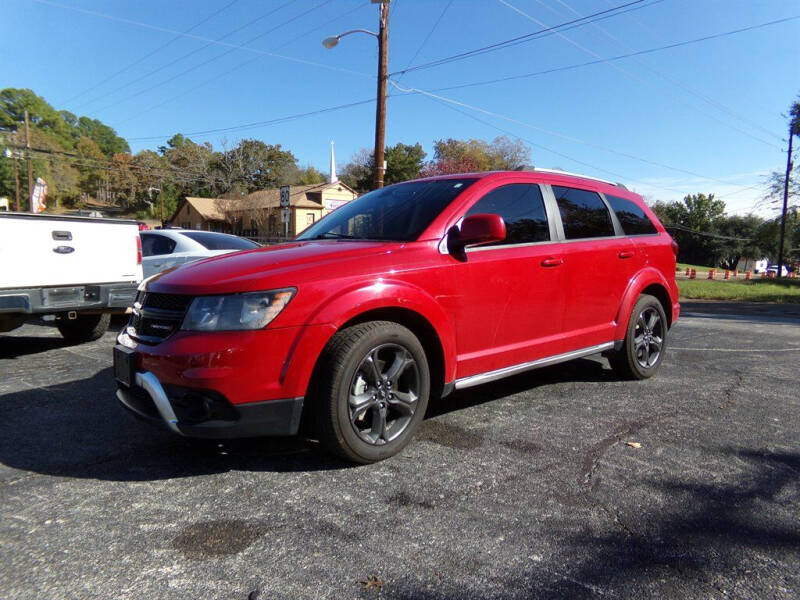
{"x":84,"y":328}
{"x":645,"y":342}
{"x":371,"y":391}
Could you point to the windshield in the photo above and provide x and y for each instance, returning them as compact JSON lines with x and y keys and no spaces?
{"x":220,"y":241}
{"x":398,"y":212}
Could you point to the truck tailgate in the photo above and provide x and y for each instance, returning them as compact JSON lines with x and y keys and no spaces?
{"x":39,"y":250}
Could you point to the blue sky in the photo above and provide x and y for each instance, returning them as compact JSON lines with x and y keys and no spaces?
{"x":705,"y":117}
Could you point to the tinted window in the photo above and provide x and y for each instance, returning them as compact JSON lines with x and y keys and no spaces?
{"x":522,"y":209}
{"x":631,"y":216}
{"x":583,"y":213}
{"x":154,"y":244}
{"x":398,"y":212}
{"x":219,"y":241}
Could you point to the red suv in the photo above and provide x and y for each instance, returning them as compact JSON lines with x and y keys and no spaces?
{"x":404,"y":294}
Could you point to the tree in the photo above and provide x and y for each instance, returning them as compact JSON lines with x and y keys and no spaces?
{"x":104,"y":136}
{"x":14,"y":103}
{"x":463,"y":156}
{"x":190,"y":166}
{"x":403,"y":162}
{"x":254,"y":165}
{"x":358,"y":173}
{"x":90,"y":166}
{"x":694,"y":225}
{"x":122,"y":179}
{"x":308,"y":175}
{"x":744,"y":240}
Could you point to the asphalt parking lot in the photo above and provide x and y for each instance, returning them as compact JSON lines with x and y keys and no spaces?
{"x":533,"y":487}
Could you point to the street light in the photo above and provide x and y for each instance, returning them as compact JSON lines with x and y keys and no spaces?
{"x":383,"y":65}
{"x":332,"y":41}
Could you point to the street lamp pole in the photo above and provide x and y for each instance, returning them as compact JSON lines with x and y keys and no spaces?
{"x":383,"y":67}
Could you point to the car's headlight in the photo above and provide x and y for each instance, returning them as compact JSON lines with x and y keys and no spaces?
{"x":236,"y":312}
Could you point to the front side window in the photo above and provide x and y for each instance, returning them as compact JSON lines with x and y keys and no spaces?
{"x":522,"y":207}
{"x":583,"y":213}
{"x":398,"y":212}
{"x":631,"y":217}
{"x":154,"y":244}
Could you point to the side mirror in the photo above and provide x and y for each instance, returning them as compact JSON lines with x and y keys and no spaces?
{"x":481,"y":229}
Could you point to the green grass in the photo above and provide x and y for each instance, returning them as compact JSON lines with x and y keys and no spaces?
{"x":757,"y":290}
{"x":682,"y":267}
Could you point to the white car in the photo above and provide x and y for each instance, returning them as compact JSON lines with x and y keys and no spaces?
{"x":166,"y":248}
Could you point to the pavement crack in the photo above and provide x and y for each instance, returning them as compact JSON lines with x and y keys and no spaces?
{"x":592,"y":456}
{"x":729,"y":392}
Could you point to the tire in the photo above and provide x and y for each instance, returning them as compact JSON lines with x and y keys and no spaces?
{"x":645,"y":342}
{"x":84,"y":328}
{"x":355,"y":417}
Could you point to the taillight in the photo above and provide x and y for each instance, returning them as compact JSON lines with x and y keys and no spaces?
{"x":675,"y":249}
{"x":139,"y":250}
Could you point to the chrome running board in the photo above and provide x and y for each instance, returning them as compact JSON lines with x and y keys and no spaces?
{"x":472,"y":380}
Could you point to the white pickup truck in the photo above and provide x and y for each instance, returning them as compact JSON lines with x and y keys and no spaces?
{"x":78,"y":269}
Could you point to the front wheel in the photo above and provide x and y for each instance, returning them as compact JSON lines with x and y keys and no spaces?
{"x":643,"y":350}
{"x":371,"y":391}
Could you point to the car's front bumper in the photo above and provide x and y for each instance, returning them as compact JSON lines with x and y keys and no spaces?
{"x":205,"y":413}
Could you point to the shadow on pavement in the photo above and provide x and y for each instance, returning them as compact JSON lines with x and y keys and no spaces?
{"x":42,"y":338}
{"x":77,"y":429}
{"x":579,"y":370}
{"x":709,"y":540}
{"x":758,"y":312}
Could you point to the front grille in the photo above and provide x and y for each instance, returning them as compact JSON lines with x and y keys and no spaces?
{"x":165,"y":301}
{"x":157,"y":316}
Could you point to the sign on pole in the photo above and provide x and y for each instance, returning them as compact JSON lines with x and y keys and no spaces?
{"x":284,"y":196}
{"x":286,"y":215}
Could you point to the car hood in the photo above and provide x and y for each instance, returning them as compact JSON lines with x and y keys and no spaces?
{"x":273,"y":267}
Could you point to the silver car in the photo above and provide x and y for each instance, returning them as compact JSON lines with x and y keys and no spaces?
{"x":166,"y":248}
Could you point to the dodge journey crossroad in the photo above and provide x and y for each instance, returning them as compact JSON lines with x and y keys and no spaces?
{"x":402,"y":295}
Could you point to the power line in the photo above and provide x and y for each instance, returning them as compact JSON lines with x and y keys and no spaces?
{"x":259,"y":123}
{"x":151,"y":53}
{"x":704,"y":234}
{"x":711,"y":101}
{"x":628,"y":74}
{"x":200,"y":37}
{"x":427,"y":37}
{"x":193,"y":52}
{"x":552,"y":133}
{"x":613,"y":58}
{"x":610,"y":12}
{"x":233,"y":69}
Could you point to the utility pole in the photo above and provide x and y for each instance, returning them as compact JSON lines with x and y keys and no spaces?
{"x":16,"y":170}
{"x":380,"y":109}
{"x":30,"y":165}
{"x":792,"y":131}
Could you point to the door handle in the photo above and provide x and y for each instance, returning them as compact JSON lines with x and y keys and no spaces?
{"x":552,"y":262}
{"x":626,"y":254}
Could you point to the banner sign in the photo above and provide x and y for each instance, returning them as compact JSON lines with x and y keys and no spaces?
{"x":39,"y":196}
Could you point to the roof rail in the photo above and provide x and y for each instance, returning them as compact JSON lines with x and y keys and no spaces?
{"x":533,"y":169}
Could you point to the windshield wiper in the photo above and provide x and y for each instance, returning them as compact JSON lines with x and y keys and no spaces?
{"x":334,"y":235}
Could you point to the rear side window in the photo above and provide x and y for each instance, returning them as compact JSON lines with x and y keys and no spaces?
{"x":155,"y":245}
{"x":583,"y":213}
{"x":219,"y":241}
{"x":631,"y":217}
{"x":522,"y":208}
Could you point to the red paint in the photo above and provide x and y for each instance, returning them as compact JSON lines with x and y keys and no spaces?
{"x":493,"y":307}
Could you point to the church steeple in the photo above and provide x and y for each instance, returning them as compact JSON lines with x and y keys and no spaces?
{"x":333,"y":178}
